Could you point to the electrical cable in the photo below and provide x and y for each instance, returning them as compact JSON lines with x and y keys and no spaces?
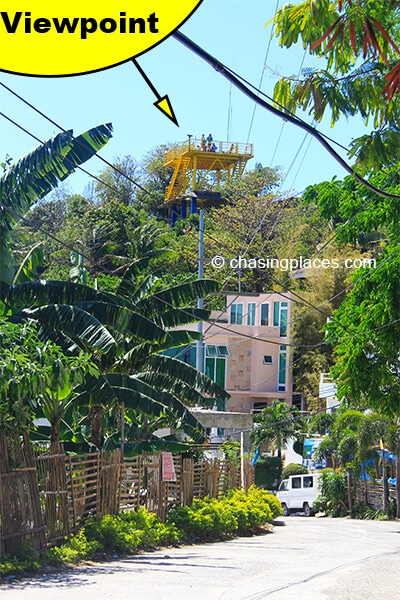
{"x":39,"y":112}
{"x":127,"y":178}
{"x":228,"y":74}
{"x":67,"y":245}
{"x":262,"y":75}
{"x":47,"y":233}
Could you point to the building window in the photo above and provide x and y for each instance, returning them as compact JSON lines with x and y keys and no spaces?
{"x":264,"y":314}
{"x":186,"y":354}
{"x":268,"y":360}
{"x":237,"y":314}
{"x":251,"y":313}
{"x":281,"y":317}
{"x":259,"y":406}
{"x":215,"y":366}
{"x":282,"y":369}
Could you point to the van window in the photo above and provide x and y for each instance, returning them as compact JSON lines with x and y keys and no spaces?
{"x":308,"y":482}
{"x":296,"y":483}
{"x":284,"y":486}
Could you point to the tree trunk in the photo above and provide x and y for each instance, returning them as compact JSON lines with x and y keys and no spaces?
{"x":385,"y":483}
{"x":55,"y":446}
{"x":349,"y":496}
{"x":96,"y":425}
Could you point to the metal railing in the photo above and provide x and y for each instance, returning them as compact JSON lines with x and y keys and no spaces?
{"x":197,"y":144}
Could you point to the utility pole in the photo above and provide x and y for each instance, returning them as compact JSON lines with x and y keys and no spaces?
{"x":200,"y":272}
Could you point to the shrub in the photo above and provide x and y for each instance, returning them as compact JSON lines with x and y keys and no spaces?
{"x":239,"y":510}
{"x":113,"y":535}
{"x":27,"y":561}
{"x":153,"y":531}
{"x":293,"y":469}
{"x":205,"y":518}
{"x":75,"y":549}
{"x":333,"y":497}
{"x":263,"y":497}
{"x":267,"y":472}
{"x":248,"y":512}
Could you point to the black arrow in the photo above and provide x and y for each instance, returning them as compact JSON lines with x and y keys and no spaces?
{"x":162,"y":103}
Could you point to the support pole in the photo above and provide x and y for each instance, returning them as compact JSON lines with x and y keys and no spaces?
{"x":242,"y":482}
{"x":200,"y":274}
{"x":122,"y":431}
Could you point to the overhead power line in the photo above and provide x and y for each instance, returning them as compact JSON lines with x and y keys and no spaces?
{"x":286,"y":115}
{"x":114,"y":189}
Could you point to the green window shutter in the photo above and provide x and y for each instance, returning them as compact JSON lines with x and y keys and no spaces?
{"x":282,"y":368}
{"x":276,"y":314}
{"x":210,"y":368}
{"x":220,"y":372}
{"x":283,"y":323}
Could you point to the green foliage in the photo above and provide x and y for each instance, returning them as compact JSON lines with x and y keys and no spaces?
{"x":293,"y":469}
{"x":333,"y":496}
{"x":360,"y":511}
{"x":365,"y":335}
{"x":358,"y":47}
{"x":122,"y":534}
{"x":267,"y":472}
{"x":275,"y":425}
{"x":206,"y":519}
{"x":35,"y":175}
{"x":153,"y":531}
{"x":239,"y":510}
{"x":75,"y":549}
{"x":231,"y":450}
{"x":113,"y":535}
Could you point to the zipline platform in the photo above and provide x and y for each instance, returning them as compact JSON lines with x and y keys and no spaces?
{"x":202,"y":165}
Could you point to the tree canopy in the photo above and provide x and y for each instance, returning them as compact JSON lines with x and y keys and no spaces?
{"x":357,"y":42}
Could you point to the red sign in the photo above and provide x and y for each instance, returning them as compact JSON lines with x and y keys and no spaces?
{"x":168,"y":468}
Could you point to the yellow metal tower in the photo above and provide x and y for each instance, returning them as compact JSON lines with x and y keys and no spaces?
{"x":201,"y":165}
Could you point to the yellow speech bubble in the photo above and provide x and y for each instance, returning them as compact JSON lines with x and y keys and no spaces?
{"x":47,"y":38}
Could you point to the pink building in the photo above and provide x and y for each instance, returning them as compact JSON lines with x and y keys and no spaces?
{"x":246,"y":350}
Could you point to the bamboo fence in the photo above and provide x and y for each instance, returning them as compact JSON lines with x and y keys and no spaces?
{"x":47,"y":497}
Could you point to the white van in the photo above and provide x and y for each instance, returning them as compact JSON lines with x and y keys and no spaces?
{"x":298,"y":493}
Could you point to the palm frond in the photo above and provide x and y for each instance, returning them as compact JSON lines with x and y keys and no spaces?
{"x":73,"y":322}
{"x":184,"y":294}
{"x":124,"y":320}
{"x":40,"y":171}
{"x":187,"y":374}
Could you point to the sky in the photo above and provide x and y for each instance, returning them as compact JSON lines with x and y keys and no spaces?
{"x":203,"y":100}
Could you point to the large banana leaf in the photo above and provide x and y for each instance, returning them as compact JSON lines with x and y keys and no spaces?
{"x":184,"y":372}
{"x":176,"y":296}
{"x":35,"y":293}
{"x":182,"y":316}
{"x":73,"y":322}
{"x":154,"y":446}
{"x":178,"y":388}
{"x":124,"y":320}
{"x":39,"y":171}
{"x":35,"y":175}
{"x":139,"y":396}
{"x":27,"y":268}
{"x":179,"y":416}
{"x":98,"y":304}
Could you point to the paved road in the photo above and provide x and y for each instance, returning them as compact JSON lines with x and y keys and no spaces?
{"x":303,"y":559}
